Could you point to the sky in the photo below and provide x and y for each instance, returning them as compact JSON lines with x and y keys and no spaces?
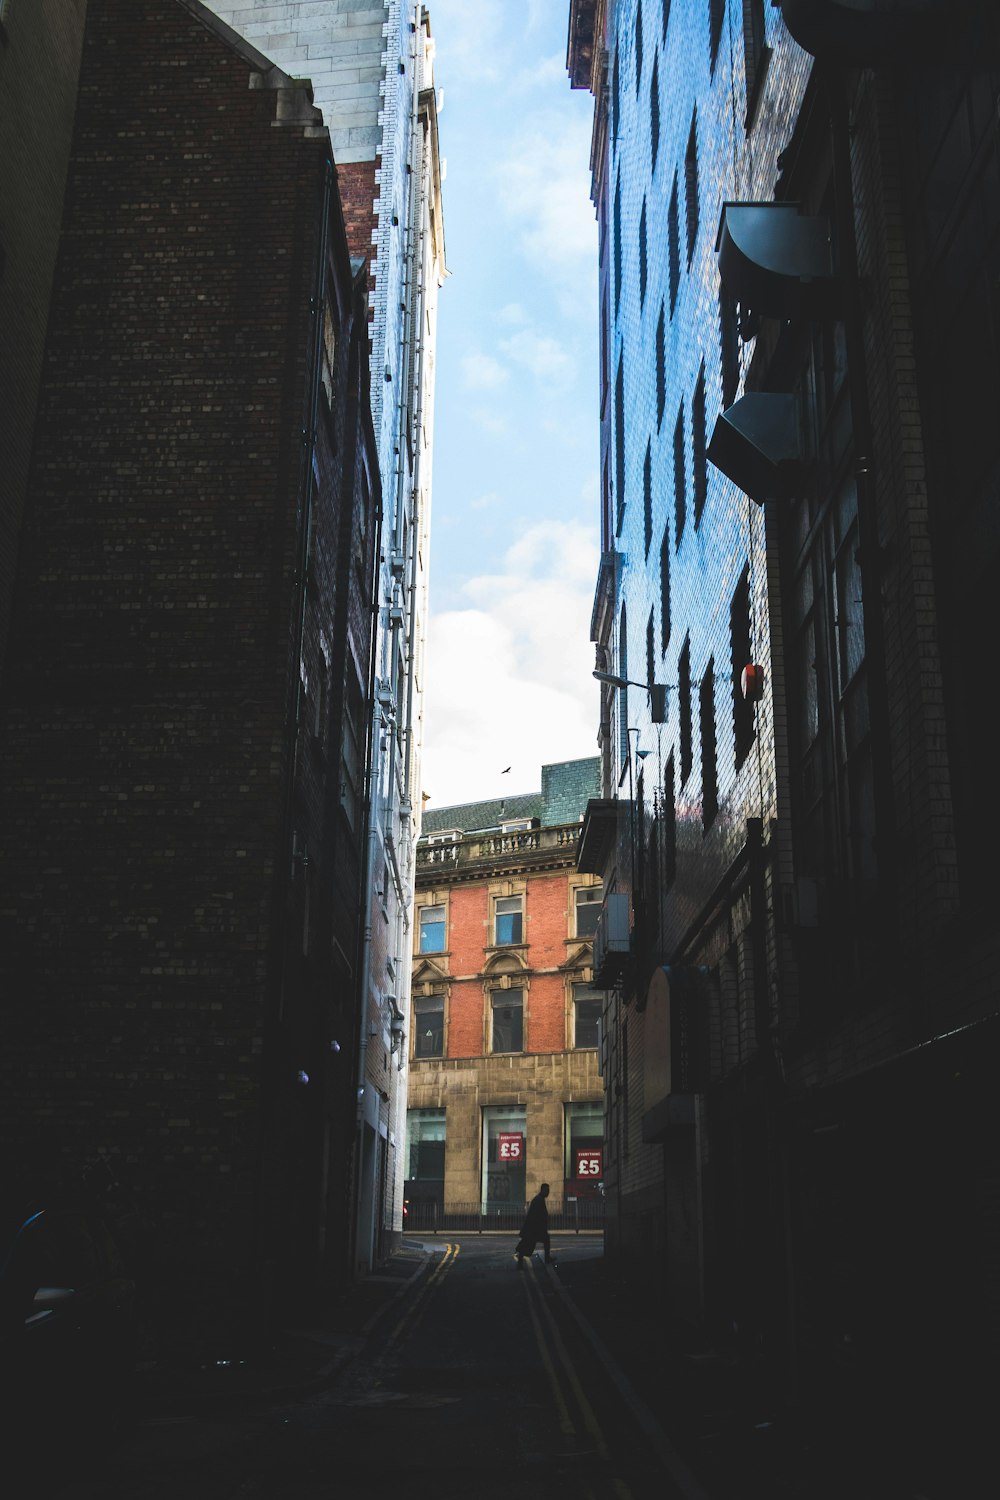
{"x":514,"y":513}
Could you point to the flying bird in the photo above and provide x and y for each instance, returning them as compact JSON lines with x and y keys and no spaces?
{"x":505,"y":770}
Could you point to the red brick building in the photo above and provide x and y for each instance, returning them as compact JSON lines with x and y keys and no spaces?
{"x":504,"y":1085}
{"x":186,"y":698}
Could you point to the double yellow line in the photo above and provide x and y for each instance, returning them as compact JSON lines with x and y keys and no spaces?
{"x":408,"y":1322}
{"x":550,"y":1342}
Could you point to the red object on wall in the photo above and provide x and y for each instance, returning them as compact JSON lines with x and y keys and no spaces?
{"x":510,"y":1146}
{"x":589,"y":1163}
{"x":752,"y":682}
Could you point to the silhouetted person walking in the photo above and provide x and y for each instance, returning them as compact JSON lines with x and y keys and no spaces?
{"x":535,"y":1229}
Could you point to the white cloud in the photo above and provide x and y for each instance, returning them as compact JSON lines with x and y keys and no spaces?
{"x":509,"y":678}
{"x":486,"y":501}
{"x":547,"y":70}
{"x":543,"y":355}
{"x":488,"y":421}
{"x":470,"y":38}
{"x":481,"y":372}
{"x":544,"y":185}
{"x":512,"y":312}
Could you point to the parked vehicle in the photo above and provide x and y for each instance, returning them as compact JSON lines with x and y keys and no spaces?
{"x":67,"y":1335}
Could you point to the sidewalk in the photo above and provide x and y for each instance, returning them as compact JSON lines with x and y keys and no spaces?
{"x":295,"y":1362}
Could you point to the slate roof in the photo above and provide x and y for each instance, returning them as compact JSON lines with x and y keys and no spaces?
{"x":567,"y":786}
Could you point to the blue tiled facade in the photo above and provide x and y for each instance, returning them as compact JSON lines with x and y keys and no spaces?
{"x":798,"y":864}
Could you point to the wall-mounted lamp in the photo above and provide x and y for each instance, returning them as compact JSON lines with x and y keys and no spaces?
{"x":657,"y":692}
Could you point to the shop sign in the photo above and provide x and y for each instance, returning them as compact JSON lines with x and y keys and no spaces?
{"x":510,"y":1146}
{"x":589,"y":1163}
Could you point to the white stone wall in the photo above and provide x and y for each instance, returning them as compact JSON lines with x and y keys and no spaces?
{"x":339,"y":45}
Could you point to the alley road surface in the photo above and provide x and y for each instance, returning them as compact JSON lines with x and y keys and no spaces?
{"x":478,"y":1385}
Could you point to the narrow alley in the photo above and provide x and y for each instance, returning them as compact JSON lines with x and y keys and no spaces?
{"x":466,"y":1374}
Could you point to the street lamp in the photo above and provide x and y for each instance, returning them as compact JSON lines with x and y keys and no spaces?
{"x":657,"y":692}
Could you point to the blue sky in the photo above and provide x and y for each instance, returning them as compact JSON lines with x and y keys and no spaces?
{"x":514,"y":528}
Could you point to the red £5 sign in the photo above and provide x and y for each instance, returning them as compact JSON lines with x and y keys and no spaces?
{"x":510,"y":1146}
{"x":589,"y":1163}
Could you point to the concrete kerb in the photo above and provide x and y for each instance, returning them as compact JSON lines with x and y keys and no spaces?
{"x":679,"y":1472}
{"x":344,"y":1347}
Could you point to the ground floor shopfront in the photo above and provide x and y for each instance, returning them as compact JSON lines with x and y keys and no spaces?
{"x":484,"y":1133}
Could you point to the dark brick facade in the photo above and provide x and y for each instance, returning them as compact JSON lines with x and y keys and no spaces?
{"x":188,"y":684}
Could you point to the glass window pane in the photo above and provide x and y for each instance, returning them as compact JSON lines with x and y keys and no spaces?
{"x":425,"y":1144}
{"x":587,"y":1008}
{"x":588,"y":909}
{"x":508,"y":920}
{"x":432,"y":929}
{"x":584,"y":1147}
{"x":508,"y":1021}
{"x":428,"y":1026}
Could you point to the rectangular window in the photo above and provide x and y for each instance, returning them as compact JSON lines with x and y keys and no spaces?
{"x":616,"y":240}
{"x":680,"y":477}
{"x":673,"y":246}
{"x":684,"y":706}
{"x":699,"y":447}
{"x":647,"y":497}
{"x":508,"y":920}
{"x":755,"y":53}
{"x":661,"y":367}
{"x":584,"y":1136}
{"x":587,"y":1009}
{"x":507,"y":1021}
{"x":709,"y":758}
{"x":739,"y":636}
{"x":428,"y":1026}
{"x":665,"y":590}
{"x":691,"y":187}
{"x":425,"y":1142}
{"x":351,"y":752}
{"x":716,"y":16}
{"x":587,"y":906}
{"x":432,"y":929}
{"x":620,"y":444}
{"x":504,"y":1159}
{"x":643,"y":265}
{"x":730,"y":346}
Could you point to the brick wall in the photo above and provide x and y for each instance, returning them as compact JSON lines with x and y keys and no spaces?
{"x":39,"y":63}
{"x":149,"y":701}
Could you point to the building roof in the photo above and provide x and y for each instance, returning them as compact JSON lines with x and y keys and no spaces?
{"x":567,"y":786}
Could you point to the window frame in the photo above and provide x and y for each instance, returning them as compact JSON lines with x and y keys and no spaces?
{"x":595,"y":897}
{"x":583,"y":994}
{"x":433,"y":1005}
{"x":442,"y":907}
{"x":501,"y":997}
{"x":495,"y":913}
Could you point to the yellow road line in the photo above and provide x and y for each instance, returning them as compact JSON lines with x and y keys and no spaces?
{"x":591,"y":1422}
{"x":433,"y":1286}
{"x":449,"y":1253}
{"x":587,"y":1411}
{"x":565,"y":1421}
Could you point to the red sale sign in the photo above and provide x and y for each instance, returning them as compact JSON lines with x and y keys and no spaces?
{"x":589,"y":1163}
{"x":510,"y":1146}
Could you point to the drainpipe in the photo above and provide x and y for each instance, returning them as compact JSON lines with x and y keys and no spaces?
{"x":870,"y":559}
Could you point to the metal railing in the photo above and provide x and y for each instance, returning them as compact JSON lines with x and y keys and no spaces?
{"x":584,"y":1215}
